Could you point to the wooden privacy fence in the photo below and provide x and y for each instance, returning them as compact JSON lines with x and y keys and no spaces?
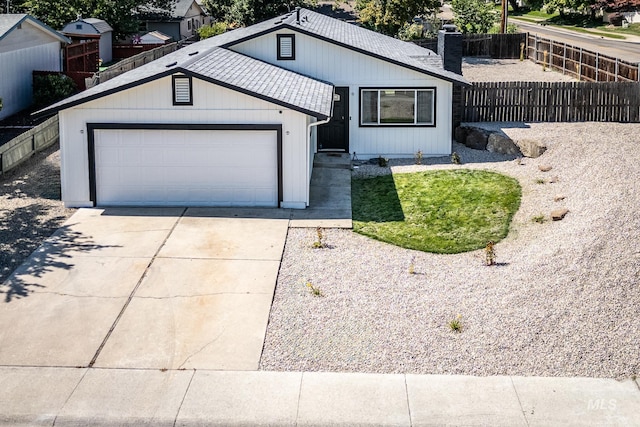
{"x":498,"y":46}
{"x":130,"y":63}
{"x":583,"y":64}
{"x":551,"y":102}
{"x":26,"y":145}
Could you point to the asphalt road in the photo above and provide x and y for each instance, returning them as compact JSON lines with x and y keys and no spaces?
{"x":626,"y":50}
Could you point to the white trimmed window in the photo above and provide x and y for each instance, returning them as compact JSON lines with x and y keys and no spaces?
{"x":397,"y":107}
{"x":286,"y":47}
{"x":182,"y":90}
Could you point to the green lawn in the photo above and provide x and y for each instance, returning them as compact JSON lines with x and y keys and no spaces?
{"x":448,"y":211}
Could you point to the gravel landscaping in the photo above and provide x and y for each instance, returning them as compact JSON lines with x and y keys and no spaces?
{"x":564,"y":299}
{"x":509,"y":70}
{"x":30,"y":208}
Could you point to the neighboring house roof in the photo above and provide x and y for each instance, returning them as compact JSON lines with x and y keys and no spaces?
{"x":11,"y":21}
{"x":225,"y":68}
{"x":178,"y":11}
{"x":100,"y":25}
{"x":155,"y":36}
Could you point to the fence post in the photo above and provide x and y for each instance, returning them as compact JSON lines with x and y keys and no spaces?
{"x":597,"y":65}
{"x":564,"y":58}
{"x":580,"y":70}
{"x":616,"y":69}
{"x":535,"y":49}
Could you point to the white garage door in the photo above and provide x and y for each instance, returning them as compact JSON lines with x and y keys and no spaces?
{"x":186,"y":167}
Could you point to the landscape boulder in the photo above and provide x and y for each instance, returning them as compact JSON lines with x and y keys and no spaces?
{"x":500,"y":143}
{"x":477,"y":139}
{"x":531,"y":147}
{"x":460,"y":134}
{"x":559,"y":214}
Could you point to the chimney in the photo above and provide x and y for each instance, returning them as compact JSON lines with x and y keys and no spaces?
{"x":450,"y":48}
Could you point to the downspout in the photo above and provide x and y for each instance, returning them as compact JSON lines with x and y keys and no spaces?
{"x":318,"y":123}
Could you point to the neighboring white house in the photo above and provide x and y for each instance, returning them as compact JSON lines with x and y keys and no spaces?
{"x":181,"y":23}
{"x":236,"y":119}
{"x":95,"y":27}
{"x":26,"y":45}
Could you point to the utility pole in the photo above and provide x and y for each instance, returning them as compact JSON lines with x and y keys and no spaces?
{"x":503,"y":16}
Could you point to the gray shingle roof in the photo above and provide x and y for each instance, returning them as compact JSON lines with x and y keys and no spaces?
{"x":100,"y":25}
{"x":225,"y":68}
{"x":9,"y":21}
{"x":356,"y":38}
{"x":211,"y":60}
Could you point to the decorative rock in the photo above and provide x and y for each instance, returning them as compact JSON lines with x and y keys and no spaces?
{"x":460,"y":134}
{"x":531,"y":148}
{"x":559,"y":198}
{"x":476,"y":139}
{"x":559,"y":214}
{"x":500,"y":143}
{"x":545,"y":168}
{"x":554,"y":179}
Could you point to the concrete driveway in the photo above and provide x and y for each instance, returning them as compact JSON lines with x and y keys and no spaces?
{"x":152,"y":288}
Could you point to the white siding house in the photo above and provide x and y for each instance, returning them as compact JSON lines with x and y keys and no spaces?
{"x":26,"y":45}
{"x":235,"y":120}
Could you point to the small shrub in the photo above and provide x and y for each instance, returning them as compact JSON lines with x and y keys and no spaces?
{"x":383,"y":162}
{"x":319,"y":244}
{"x":455,"y":158}
{"x":213,"y":29}
{"x":540,"y":181}
{"x":418,"y":157}
{"x":490,"y":253}
{"x":456,"y":324}
{"x":540,"y":219}
{"x":51,"y":88}
{"x":315,"y":290}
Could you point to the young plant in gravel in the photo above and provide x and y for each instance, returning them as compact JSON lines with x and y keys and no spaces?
{"x":490,"y":253}
{"x":541,"y":181}
{"x":540,"y":219}
{"x":315,"y":290}
{"x":383,"y":162}
{"x":418,"y":157}
{"x":456,"y":324}
{"x":412,"y":266}
{"x":455,"y":158}
{"x":319,"y":244}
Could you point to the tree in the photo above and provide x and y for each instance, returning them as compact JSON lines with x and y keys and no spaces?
{"x":122,"y":15}
{"x":474,"y":16}
{"x":389,"y":16}
{"x":248,"y":12}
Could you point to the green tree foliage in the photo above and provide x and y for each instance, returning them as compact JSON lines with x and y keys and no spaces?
{"x":212,"y":30}
{"x":122,"y":15}
{"x":51,"y":88}
{"x":474,"y":16}
{"x":389,"y":16}
{"x":248,"y":12}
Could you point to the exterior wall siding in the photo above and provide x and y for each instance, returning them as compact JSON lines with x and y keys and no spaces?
{"x":16,"y":69}
{"x":344,"y":67}
{"x":152,"y":103}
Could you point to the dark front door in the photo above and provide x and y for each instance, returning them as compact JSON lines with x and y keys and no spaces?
{"x":334,"y":136}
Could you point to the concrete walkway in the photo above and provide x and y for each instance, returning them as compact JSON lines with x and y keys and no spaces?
{"x":117,"y":397}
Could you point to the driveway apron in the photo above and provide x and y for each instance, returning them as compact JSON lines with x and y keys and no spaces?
{"x":146,"y":288}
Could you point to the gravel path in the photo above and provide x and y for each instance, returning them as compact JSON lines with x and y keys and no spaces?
{"x":30,"y":208}
{"x":563,"y":301}
{"x":508,"y":70}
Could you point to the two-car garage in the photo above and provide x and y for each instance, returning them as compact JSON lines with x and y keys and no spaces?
{"x":185,"y":165}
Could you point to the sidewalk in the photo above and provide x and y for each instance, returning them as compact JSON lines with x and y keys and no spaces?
{"x":109,"y":397}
